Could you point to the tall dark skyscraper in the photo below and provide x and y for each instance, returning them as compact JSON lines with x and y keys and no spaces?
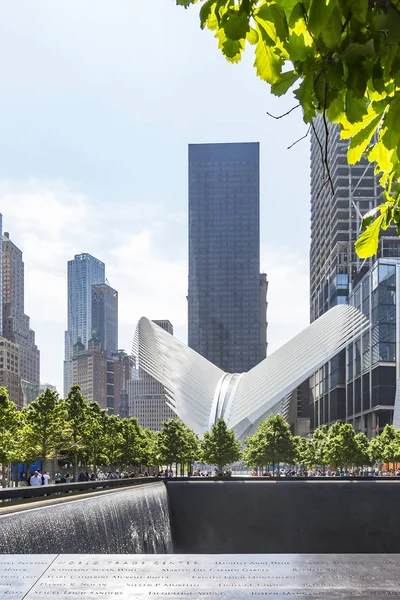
{"x":226,"y":324}
{"x":105,"y":317}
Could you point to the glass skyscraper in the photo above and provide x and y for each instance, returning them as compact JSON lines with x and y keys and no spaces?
{"x":360,"y":384}
{"x":105,"y":317}
{"x":83,"y":272}
{"x":224,"y":298}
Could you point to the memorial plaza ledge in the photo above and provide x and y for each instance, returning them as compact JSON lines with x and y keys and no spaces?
{"x":200,"y":393}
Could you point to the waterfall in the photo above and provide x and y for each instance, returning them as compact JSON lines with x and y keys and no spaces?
{"x":135,"y":520}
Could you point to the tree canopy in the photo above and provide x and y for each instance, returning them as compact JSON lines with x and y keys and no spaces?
{"x":342,"y":58}
{"x":271,"y":444}
{"x":219,"y":446}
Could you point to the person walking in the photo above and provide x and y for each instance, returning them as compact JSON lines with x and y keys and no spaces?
{"x":36,"y":479}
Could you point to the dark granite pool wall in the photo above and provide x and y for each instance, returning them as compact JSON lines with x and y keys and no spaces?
{"x":285,"y":517}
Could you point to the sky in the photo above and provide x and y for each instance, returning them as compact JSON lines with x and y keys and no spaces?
{"x":99,"y":101}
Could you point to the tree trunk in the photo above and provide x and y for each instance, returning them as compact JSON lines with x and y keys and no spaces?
{"x":44,"y":462}
{"x":94,"y":463}
{"x":75,"y":466}
{"x":3,"y":476}
{"x":16,"y":474}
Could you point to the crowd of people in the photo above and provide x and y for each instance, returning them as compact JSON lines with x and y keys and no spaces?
{"x":37,"y":478}
{"x":319,"y":472}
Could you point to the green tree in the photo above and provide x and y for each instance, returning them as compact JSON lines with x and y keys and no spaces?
{"x":341,"y":448}
{"x":390,"y":445}
{"x":113,"y":441}
{"x":363,"y":458}
{"x":319,"y":439}
{"x":149,"y":448}
{"x":44,"y":420}
{"x":9,"y":427}
{"x":219,"y":446}
{"x":173,"y":443}
{"x":93,"y":436}
{"x":272,"y":444}
{"x":304,"y":451}
{"x":77,"y":421}
{"x":344,"y":58}
{"x":192,"y":448}
{"x":132,"y":441}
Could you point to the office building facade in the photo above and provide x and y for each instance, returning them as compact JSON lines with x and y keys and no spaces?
{"x":224,"y":309}
{"x":123,"y":372}
{"x":105,"y":317}
{"x":10,"y":376}
{"x":89,"y":371}
{"x":16,"y":324}
{"x":84,"y":271}
{"x":359,"y":384}
{"x":336,"y":221}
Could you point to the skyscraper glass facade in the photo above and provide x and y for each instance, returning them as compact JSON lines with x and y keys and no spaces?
{"x":224,"y":255}
{"x":358,"y":385}
{"x":83,"y":272}
{"x":361,"y":384}
{"x":105,"y":317}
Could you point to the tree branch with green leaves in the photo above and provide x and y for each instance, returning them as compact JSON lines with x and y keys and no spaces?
{"x":344,"y":57}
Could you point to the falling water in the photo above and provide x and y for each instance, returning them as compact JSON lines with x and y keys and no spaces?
{"x":129,"y":521}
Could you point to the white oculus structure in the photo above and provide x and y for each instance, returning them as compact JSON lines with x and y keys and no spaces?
{"x":199,"y":392}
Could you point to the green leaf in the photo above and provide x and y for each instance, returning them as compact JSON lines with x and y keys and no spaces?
{"x":284,"y":82}
{"x":252,"y":36}
{"x":231,"y":49}
{"x":357,"y":80}
{"x":355,"y":50}
{"x":359,"y":8}
{"x":370,"y":216}
{"x":321,"y":88}
{"x":305,"y":95}
{"x":288,"y":6}
{"x":325,"y":21}
{"x":301,"y":43}
{"x":355,"y":107}
{"x":383,"y":158}
{"x":334,"y":73}
{"x":367,"y":244}
{"x":235,"y":26}
{"x":185,"y":3}
{"x":388,"y":22}
{"x":205,"y":12}
{"x":335,"y":110}
{"x":378,"y":77}
{"x":268,"y":63}
{"x":391,"y":123}
{"x":272,"y":19}
{"x":360,"y":141}
{"x":332,"y":31}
